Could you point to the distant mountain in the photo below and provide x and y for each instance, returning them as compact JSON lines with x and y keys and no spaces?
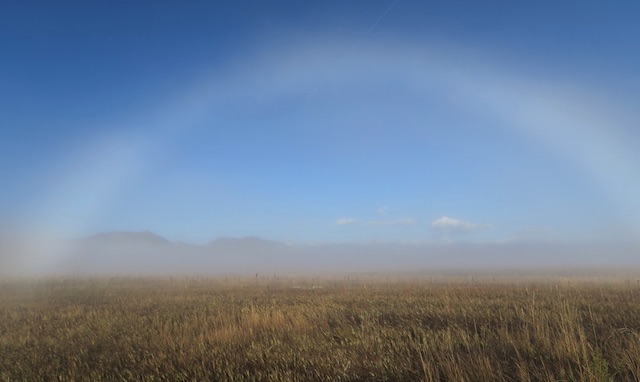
{"x":150,"y":238}
{"x":128,"y":238}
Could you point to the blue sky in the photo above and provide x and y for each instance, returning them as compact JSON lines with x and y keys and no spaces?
{"x":389,"y":121}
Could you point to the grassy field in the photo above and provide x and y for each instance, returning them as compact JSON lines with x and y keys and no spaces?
{"x":334,"y":328}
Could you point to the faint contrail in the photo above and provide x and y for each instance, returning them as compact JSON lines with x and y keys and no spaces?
{"x":353,"y":46}
{"x":379,"y":19}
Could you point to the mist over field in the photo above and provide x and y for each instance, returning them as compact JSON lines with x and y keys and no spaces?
{"x":254,"y":137}
{"x":145,"y":253}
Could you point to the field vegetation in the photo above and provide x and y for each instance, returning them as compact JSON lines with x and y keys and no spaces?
{"x":330,"y":328}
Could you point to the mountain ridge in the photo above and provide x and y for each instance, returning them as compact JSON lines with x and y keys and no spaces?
{"x":149,"y":237}
{"x":128,"y":237}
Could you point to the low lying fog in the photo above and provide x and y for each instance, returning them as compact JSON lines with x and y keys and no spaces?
{"x":144,"y":253}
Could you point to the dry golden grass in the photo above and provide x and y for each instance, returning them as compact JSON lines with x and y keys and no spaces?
{"x":333,"y":329}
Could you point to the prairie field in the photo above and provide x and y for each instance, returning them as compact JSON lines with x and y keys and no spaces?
{"x":324,"y":328}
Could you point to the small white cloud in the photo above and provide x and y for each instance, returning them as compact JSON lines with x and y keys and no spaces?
{"x":345,"y":221}
{"x":406,"y":221}
{"x":446,"y":224}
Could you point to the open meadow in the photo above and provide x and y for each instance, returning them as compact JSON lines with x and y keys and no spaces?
{"x":327,"y":328}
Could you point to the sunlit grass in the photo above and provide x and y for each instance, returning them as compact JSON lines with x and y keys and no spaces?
{"x":322,"y":329}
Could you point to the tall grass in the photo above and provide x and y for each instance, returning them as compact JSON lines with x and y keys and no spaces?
{"x":447,"y":329}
